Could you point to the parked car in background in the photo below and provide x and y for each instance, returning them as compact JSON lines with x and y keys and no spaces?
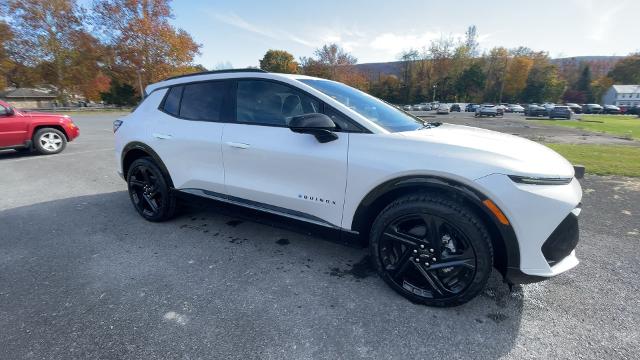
{"x":470,"y":107}
{"x":535,"y":111}
{"x":455,"y":107}
{"x":515,"y":108}
{"x":633,"y":110}
{"x":486,"y":110}
{"x":591,"y":109}
{"x":407,"y":108}
{"x":500,"y":109}
{"x":577,"y":109}
{"x":443,"y":109}
{"x":25,"y":131}
{"x":560,"y":111}
{"x":611,"y":109}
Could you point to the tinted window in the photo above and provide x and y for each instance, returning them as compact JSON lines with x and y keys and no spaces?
{"x":341,"y":121}
{"x":203,"y":101}
{"x":172,"y":101}
{"x":270,"y":103}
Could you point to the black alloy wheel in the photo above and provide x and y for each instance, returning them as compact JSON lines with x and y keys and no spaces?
{"x":149,"y":192}
{"x":432,"y":250}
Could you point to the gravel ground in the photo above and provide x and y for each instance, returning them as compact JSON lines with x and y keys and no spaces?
{"x":83,"y":276}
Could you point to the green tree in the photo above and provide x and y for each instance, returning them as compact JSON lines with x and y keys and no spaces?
{"x":120,"y":94}
{"x":279,"y":61}
{"x":583,"y":84}
{"x":471,"y":82}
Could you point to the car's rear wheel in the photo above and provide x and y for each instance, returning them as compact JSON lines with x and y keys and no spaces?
{"x":431,"y":250}
{"x":149,"y":191}
{"x":48,"y":141}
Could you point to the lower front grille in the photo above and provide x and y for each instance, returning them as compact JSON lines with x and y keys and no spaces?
{"x":562,"y":241}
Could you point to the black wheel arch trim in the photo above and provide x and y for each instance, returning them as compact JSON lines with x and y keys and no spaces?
{"x":362,"y":217}
{"x":136,"y":145}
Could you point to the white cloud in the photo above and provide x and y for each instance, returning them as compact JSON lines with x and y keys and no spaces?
{"x":600,"y":16}
{"x":236,"y":21}
{"x":396,"y":43}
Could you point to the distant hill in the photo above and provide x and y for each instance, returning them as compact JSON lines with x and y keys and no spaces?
{"x":600,"y":65}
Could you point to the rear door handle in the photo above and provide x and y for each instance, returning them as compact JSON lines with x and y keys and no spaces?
{"x":161,"y":136}
{"x":238,"y":145}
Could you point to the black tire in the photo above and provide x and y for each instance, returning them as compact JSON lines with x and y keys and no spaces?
{"x":401,"y":236}
{"x":149,"y":191}
{"x":49,"y":141}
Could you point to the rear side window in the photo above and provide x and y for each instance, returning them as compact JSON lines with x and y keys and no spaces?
{"x":172,"y":101}
{"x":203,"y":101}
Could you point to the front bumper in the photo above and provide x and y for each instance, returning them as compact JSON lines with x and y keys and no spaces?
{"x":544,"y":221}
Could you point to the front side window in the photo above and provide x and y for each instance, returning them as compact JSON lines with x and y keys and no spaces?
{"x":372,"y":108}
{"x":203,"y":101}
{"x":268,"y":103}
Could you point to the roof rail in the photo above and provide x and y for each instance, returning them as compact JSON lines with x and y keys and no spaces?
{"x":216,"y":72}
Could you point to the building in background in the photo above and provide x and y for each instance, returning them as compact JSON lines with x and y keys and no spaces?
{"x":28,"y":98}
{"x":622,"y":95}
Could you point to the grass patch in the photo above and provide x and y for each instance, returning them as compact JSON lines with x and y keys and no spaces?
{"x":603,"y":159}
{"x":619,"y":125}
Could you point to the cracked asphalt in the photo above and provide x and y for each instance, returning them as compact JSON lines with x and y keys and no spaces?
{"x":83,"y":276}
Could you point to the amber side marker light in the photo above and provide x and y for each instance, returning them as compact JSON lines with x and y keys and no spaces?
{"x":494,"y":209}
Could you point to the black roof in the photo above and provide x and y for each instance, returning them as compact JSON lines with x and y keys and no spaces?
{"x":216,"y":72}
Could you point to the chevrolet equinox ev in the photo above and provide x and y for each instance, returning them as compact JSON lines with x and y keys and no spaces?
{"x":440,"y":205}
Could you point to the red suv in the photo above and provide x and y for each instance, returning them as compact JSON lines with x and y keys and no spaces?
{"x":46,"y":133}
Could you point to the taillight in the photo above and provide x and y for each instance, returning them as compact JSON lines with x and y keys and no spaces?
{"x":116,"y":125}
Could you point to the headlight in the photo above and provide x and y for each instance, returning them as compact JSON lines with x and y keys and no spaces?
{"x":540,"y":181}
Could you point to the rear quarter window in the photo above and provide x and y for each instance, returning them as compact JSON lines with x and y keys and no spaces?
{"x":172,"y":101}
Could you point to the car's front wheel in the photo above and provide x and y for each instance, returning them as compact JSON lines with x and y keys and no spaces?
{"x":149,"y":191}
{"x":49,"y":141}
{"x":431,"y":250}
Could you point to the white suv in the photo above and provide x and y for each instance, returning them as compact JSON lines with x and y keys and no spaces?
{"x":439,"y":204}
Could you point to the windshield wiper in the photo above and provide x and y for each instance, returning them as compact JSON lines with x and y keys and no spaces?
{"x":429,"y":125}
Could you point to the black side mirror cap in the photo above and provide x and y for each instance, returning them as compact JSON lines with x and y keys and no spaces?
{"x":319,"y":125}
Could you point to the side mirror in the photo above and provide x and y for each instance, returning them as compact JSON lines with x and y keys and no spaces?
{"x":319,"y":125}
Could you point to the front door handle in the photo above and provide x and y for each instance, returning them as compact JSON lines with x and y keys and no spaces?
{"x":161,"y":136}
{"x":238,"y":145}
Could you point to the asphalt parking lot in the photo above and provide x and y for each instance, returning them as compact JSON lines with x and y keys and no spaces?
{"x":82,"y":276}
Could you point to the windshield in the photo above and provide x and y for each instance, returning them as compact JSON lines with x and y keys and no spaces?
{"x":374,"y":109}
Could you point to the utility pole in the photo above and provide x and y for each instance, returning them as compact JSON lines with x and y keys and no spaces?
{"x":139,"y":72}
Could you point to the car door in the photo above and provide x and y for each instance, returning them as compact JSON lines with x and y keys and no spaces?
{"x":13,"y":128}
{"x":272,"y":167}
{"x":187,"y":134}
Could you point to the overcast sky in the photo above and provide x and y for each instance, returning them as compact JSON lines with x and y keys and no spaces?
{"x":241,"y":31}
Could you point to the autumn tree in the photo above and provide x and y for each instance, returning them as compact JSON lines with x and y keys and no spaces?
{"x":142,"y":42}
{"x":543,"y":83}
{"x":627,"y":70}
{"x":583,"y":84}
{"x":6,"y":64}
{"x":279,"y":61}
{"x":516,"y":77}
{"x":331,"y":62}
{"x":48,"y":37}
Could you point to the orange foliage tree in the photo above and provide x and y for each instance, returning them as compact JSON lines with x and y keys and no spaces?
{"x":142,"y":42}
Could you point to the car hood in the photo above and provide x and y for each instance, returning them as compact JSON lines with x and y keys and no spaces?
{"x":43,"y":114}
{"x":492,"y":152}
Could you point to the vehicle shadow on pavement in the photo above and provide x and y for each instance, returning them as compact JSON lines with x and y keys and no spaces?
{"x":86,"y":276}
